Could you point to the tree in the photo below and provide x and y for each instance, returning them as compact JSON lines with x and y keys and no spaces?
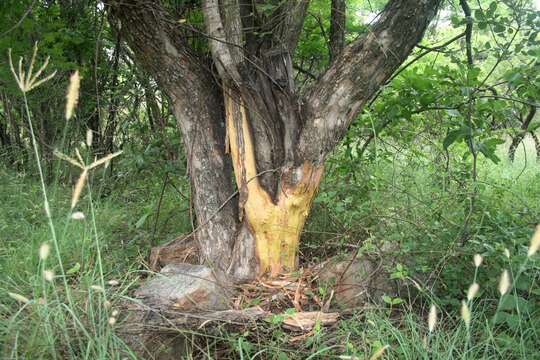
{"x":231,"y":85}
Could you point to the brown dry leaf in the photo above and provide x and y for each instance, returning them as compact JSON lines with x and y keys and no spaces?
{"x":305,"y":321}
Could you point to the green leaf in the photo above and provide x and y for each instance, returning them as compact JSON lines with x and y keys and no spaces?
{"x":533,"y":126}
{"x":141,"y":221}
{"x":452,"y":137}
{"x":74,"y":269}
{"x":499,"y":28}
{"x":489,"y":153}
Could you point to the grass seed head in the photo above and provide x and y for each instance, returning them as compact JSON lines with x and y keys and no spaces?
{"x":48,"y":275}
{"x":72,"y":97}
{"x":535,"y":242}
{"x":78,"y":215}
{"x":478,"y":260}
{"x":432,"y":318}
{"x":89,"y":137}
{"x":44,"y":251}
{"x":465,"y":313}
{"x":473,"y":290}
{"x":504,"y":283}
{"x":78,"y":188}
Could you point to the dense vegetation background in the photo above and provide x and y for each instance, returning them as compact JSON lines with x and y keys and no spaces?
{"x":443,"y":163}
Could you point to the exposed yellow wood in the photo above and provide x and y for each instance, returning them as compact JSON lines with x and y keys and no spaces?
{"x":275,"y":225}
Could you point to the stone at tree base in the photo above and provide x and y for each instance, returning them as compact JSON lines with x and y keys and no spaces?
{"x":174,"y":299}
{"x":185,"y":287}
{"x":356,"y":281}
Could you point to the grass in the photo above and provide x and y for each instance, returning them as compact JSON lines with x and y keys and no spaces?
{"x":80,"y":328}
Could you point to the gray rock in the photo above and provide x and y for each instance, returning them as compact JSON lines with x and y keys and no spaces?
{"x":185,"y":287}
{"x":356,"y":281}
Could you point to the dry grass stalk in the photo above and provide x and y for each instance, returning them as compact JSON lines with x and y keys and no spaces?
{"x":103,"y":160}
{"x":70,"y":160}
{"x":305,"y":321}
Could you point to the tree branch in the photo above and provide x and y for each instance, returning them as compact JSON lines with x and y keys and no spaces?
{"x":221,"y":34}
{"x":293,"y":14}
{"x":468,"y":30}
{"x":358,"y":72}
{"x":337,"y":28}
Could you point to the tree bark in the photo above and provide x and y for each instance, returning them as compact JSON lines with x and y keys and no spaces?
{"x":516,"y":140}
{"x":253,"y":114}
{"x":337,"y":28}
{"x":197,"y":103}
{"x":536,"y":145}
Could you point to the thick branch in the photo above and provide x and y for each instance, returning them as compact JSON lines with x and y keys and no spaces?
{"x":197,"y":103}
{"x":224,"y":37}
{"x":359,"y":71}
{"x":337,"y":28}
{"x":293,"y":13}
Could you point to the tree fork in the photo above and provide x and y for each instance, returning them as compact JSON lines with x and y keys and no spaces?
{"x":276,"y":225}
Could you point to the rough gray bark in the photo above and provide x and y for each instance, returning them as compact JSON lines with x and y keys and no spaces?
{"x":252,"y":53}
{"x":337,"y":28}
{"x":197,"y":101}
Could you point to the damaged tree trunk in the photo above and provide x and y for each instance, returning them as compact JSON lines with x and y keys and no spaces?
{"x":249,"y":121}
{"x":274,"y":223}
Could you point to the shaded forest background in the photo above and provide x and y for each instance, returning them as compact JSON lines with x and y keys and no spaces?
{"x":442,"y":165}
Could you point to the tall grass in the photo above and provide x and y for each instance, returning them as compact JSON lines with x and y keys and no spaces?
{"x":49,"y":320}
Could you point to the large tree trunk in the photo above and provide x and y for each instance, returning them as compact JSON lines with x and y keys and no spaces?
{"x":252,"y":113}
